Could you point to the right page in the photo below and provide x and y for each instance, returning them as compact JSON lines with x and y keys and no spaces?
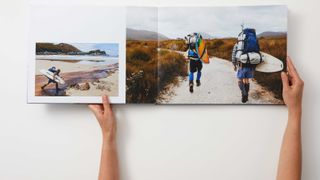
{"x":221,"y":55}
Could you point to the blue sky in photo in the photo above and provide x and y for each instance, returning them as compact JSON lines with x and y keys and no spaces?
{"x":110,"y":48}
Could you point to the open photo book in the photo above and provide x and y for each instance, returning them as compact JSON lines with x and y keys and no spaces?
{"x":157,"y":55}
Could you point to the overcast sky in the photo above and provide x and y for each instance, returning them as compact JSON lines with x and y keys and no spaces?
{"x":176,"y":22}
{"x":142,"y":18}
{"x":221,"y":21}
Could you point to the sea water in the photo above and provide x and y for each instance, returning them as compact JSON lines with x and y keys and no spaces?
{"x":83,"y":59}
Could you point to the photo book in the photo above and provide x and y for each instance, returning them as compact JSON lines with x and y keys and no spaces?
{"x":157,"y":55}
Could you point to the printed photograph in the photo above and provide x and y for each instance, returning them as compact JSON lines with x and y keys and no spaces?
{"x":141,"y":55}
{"x":221,"y":55}
{"x":76,"y":69}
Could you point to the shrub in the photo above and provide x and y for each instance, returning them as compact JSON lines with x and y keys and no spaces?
{"x":171,"y":65}
{"x":143,"y":84}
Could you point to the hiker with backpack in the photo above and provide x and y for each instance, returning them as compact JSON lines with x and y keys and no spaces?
{"x":194,"y":41}
{"x":245,"y":57}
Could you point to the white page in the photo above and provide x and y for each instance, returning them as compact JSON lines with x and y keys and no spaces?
{"x":77,"y":24}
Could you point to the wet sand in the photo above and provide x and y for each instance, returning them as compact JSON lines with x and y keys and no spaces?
{"x":102,"y":79}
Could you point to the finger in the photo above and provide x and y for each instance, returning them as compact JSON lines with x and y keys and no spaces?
{"x":285,"y":80}
{"x":106,"y":103}
{"x":292,"y":80}
{"x":293,"y":71}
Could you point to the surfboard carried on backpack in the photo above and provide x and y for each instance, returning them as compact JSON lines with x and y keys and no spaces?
{"x":202,"y":51}
{"x":248,"y":52}
{"x":197,"y":44}
{"x":269,"y":64}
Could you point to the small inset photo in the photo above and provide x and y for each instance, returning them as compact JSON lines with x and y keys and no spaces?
{"x":76,"y":69}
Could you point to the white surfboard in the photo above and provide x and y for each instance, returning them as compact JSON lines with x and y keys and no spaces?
{"x":49,"y":75}
{"x":270,"y":64}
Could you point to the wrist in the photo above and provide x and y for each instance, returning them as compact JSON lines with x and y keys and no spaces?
{"x":109,"y":145}
{"x":294,"y":115}
{"x":108,"y":138}
{"x":296,"y":111}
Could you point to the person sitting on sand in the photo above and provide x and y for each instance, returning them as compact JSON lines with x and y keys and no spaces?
{"x":195,"y":65}
{"x":55,"y":73}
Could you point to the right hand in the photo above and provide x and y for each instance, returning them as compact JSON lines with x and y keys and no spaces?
{"x":292,"y":88}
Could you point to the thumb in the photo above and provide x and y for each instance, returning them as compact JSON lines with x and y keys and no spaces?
{"x":106,"y":103}
{"x":285,"y":80}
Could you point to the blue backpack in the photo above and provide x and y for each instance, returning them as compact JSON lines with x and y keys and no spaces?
{"x":251,"y":43}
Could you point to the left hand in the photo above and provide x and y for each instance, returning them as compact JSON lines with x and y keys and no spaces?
{"x":106,"y":119}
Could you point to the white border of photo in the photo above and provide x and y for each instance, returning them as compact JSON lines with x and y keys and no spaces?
{"x":76,"y":24}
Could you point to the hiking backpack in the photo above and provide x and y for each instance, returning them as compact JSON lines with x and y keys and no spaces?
{"x":248,"y":49}
{"x":192,"y":41}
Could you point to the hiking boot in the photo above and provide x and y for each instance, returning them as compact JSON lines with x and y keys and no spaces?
{"x":198,"y":82}
{"x":244,"y":99}
{"x":191,"y":86}
{"x":247,"y":88}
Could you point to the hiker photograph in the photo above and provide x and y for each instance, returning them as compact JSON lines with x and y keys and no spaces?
{"x":236,"y":58}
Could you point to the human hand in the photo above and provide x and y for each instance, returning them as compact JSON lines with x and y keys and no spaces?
{"x":105,"y":117}
{"x":292,"y":88}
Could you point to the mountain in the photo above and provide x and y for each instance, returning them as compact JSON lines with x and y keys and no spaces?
{"x":55,"y":48}
{"x":133,"y":34}
{"x":64,"y":49}
{"x":272,"y":34}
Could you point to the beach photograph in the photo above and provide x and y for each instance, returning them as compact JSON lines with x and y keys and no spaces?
{"x":76,"y":69}
{"x":222,"y":55}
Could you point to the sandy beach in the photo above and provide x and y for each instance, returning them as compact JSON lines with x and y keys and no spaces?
{"x":82,"y":79}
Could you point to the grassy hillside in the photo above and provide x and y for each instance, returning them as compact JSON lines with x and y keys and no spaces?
{"x":171,"y":65}
{"x":142,"y":70}
{"x":175,"y":45}
{"x":55,"y":48}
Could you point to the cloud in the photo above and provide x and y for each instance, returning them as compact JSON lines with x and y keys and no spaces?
{"x":220,"y":21}
{"x":142,"y":18}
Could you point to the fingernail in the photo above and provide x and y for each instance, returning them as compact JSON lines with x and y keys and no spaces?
{"x":104,"y":98}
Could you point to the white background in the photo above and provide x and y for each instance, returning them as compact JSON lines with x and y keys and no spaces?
{"x":155,"y":142}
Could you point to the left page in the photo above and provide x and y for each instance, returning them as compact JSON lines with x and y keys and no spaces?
{"x":76,"y":54}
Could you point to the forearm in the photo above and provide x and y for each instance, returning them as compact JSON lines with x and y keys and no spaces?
{"x":109,"y":167}
{"x":290,"y":156}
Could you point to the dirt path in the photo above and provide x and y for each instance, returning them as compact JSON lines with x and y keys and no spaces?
{"x":219,"y":86}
